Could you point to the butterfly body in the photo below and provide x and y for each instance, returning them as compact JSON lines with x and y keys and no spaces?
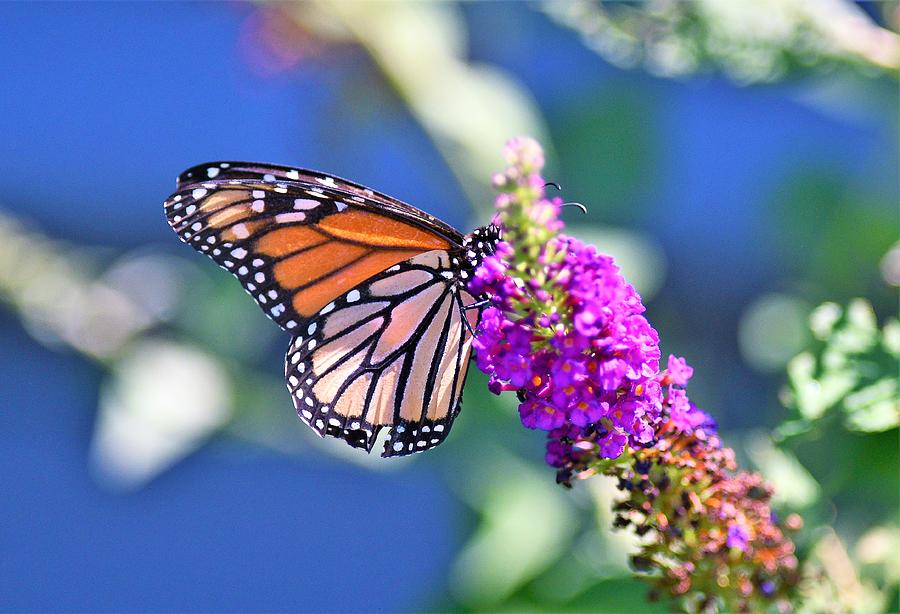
{"x":373,"y":291}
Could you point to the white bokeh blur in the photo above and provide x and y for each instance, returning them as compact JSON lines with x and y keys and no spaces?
{"x":163,"y":400}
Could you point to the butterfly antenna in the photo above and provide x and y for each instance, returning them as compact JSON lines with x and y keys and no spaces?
{"x":579,"y":205}
{"x":559,"y":189}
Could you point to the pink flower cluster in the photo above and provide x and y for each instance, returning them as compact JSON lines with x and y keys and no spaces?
{"x":590,"y":363}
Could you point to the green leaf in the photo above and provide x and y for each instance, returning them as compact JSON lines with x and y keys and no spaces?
{"x":823,"y":319}
{"x":891,"y":338}
{"x":874,"y":408}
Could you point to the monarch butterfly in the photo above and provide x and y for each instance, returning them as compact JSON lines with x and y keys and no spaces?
{"x":372,"y":289}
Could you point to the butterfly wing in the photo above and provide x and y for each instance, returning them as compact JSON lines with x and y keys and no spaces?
{"x":392,"y":352}
{"x":297,"y":239}
{"x":272,"y":173}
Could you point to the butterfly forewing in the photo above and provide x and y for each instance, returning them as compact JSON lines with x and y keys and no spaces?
{"x":294,"y":246}
{"x":391,"y":353}
{"x":228,"y":172}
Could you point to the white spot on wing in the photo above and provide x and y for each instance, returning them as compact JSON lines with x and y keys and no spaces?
{"x":285,"y":218}
{"x":240,"y":231}
{"x":306,"y":203}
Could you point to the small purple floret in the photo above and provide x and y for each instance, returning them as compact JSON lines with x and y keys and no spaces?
{"x":738,"y":537}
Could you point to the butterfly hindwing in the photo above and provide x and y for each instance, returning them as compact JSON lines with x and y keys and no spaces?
{"x":295,"y":244}
{"x":392,"y":352}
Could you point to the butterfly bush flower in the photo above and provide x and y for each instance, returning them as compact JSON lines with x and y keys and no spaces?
{"x":567,"y":334}
{"x":564,"y":328}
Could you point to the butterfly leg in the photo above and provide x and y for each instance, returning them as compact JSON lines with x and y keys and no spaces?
{"x":477,"y":304}
{"x":464,"y":308}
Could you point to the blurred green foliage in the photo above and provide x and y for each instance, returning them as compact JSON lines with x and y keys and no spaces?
{"x":852,"y":370}
{"x":844,"y":404}
{"x":750,"y":42}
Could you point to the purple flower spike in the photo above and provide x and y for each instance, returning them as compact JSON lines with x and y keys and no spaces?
{"x":565,"y":327}
{"x":567,"y":333}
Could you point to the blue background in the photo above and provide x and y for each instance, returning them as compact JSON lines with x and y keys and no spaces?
{"x":101,"y":106}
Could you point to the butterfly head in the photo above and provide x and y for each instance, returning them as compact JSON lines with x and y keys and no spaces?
{"x":479,"y":244}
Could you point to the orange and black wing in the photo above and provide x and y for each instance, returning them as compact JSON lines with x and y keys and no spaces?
{"x":297,"y":239}
{"x":285,"y":175}
{"x":392,"y":352}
